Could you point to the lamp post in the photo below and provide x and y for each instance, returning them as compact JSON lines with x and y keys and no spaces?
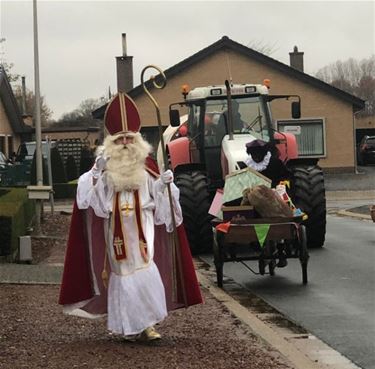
{"x":38,"y":130}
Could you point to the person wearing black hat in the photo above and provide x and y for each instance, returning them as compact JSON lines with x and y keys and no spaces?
{"x":239,"y":125}
{"x":262,"y":160}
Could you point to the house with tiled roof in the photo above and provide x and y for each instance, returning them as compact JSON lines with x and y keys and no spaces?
{"x":326,"y":110}
{"x":13,"y":130}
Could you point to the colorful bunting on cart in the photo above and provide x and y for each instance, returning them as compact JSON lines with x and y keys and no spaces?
{"x":261,"y":231}
{"x":223,"y":227}
{"x":239,"y":180}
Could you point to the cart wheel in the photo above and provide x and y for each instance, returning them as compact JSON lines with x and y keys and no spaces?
{"x":271,"y":267}
{"x":262,"y":266}
{"x":304,"y":273}
{"x":303,"y":253}
{"x":218,"y":261}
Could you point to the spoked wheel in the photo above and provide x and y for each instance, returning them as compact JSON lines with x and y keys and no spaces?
{"x":271,"y":267}
{"x":262,"y":266}
{"x":303,"y":253}
{"x":271,"y":249}
{"x":218,"y":259}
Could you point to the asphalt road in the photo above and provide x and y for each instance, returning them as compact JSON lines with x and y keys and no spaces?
{"x":338,"y":304}
{"x":363,"y":180}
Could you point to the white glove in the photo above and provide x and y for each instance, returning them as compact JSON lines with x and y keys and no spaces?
{"x":99,"y":166}
{"x":167,"y":177}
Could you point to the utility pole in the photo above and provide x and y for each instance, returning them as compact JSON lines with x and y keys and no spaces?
{"x":38,"y":127}
{"x":2,"y":39}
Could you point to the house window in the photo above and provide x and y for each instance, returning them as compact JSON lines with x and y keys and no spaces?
{"x":310,"y":135}
{"x":10,"y":146}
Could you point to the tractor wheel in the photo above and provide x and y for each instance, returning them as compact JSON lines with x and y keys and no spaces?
{"x":308,"y":194}
{"x":195,"y":203}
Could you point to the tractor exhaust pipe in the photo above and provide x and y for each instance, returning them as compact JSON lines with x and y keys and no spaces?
{"x":229,"y":103}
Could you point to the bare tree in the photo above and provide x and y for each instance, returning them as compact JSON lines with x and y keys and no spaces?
{"x":355,"y":77}
{"x":261,"y":47}
{"x":45,"y":113}
{"x":82,"y":115}
{"x":12,"y":77}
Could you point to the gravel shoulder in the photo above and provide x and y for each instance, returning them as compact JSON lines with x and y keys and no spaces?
{"x":35,"y":334}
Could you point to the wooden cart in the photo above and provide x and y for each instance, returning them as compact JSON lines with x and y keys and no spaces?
{"x":240,"y":243}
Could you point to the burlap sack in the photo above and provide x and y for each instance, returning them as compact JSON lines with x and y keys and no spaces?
{"x":267,"y":202}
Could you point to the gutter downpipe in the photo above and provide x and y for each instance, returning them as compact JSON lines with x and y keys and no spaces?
{"x":229,"y":103}
{"x":355,"y":143}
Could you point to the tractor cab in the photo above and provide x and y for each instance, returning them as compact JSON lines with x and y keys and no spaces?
{"x":218,"y":128}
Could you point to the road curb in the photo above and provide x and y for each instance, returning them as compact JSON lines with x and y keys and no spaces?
{"x":302,"y":351}
{"x":352,"y":195}
{"x":347,"y":213}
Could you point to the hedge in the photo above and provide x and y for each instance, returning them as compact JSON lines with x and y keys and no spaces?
{"x":65,"y":190}
{"x":57,"y":168}
{"x":16,"y":214}
{"x":71,"y":168}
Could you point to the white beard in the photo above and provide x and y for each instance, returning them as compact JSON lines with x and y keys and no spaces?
{"x":125,"y":168}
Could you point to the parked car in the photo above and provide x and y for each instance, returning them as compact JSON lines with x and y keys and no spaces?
{"x":4,"y":166}
{"x":366,"y":150}
{"x":3,"y":161}
{"x":27,"y":149}
{"x":20,"y":173}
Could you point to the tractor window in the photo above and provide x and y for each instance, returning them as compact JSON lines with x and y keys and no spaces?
{"x":212,"y":136}
{"x":248,"y":116}
{"x":193,"y":121}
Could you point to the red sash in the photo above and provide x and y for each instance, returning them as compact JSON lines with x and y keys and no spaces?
{"x":141,"y":236}
{"x":119,"y":246}
{"x":118,"y":231}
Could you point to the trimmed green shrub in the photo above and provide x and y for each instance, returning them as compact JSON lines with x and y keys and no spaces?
{"x":87,"y":160}
{"x":33,"y":172}
{"x":58,"y":170}
{"x":57,"y":167}
{"x":5,"y":235}
{"x":71,"y":168}
{"x":16,"y":214}
{"x":3,"y":191}
{"x":65,"y":190}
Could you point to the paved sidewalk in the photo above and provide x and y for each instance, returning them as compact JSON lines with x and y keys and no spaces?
{"x":30,"y":273}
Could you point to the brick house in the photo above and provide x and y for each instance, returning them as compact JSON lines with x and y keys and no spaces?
{"x":90,"y":135}
{"x":329,"y":110}
{"x":12,"y":128}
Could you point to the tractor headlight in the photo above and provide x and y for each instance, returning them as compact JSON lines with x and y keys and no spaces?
{"x":216,"y":91}
{"x":250,"y":89}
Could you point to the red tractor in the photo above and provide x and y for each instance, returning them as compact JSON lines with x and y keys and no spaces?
{"x":208,"y":143}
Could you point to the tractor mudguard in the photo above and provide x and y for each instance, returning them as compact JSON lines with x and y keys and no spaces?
{"x":189,"y":167}
{"x":179,"y":151}
{"x":287,"y":147}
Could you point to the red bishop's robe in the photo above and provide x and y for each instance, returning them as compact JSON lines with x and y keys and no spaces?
{"x":82,"y":284}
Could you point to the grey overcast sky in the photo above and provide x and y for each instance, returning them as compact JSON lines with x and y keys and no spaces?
{"x":78,"y":40}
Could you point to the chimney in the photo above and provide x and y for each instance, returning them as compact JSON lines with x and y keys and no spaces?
{"x":24,"y":95}
{"x":124,"y":65}
{"x":27,"y":118}
{"x":296,"y":59}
